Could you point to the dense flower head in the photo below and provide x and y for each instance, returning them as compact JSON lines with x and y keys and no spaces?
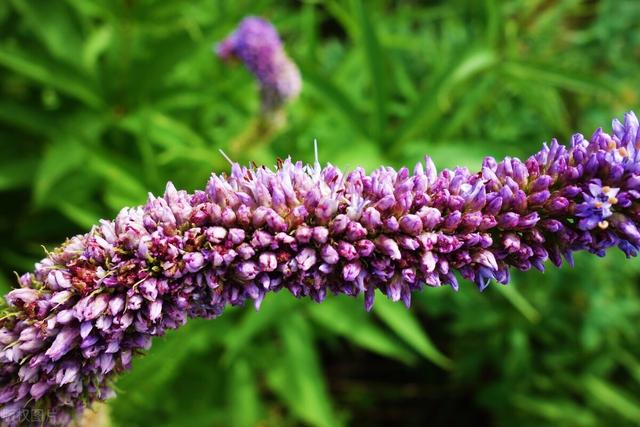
{"x":256,"y":43}
{"x":95,"y":302}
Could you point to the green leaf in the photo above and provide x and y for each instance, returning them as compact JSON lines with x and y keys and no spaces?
{"x":51,"y":73}
{"x":547,"y":100}
{"x":298,"y":380}
{"x":179,"y":375}
{"x":519,"y":302}
{"x":26,"y":117}
{"x":165,"y":131}
{"x":335,"y":97}
{"x":274,"y":309}
{"x":93,"y":8}
{"x":475,"y":62}
{"x":551,"y":75}
{"x":79,"y":214}
{"x":405,"y":82}
{"x":244,"y":401}
{"x":447,"y":153}
{"x":167,"y":354}
{"x":5,"y":285}
{"x":364,"y":154}
{"x":613,"y":398}
{"x":95,"y":45}
{"x":475,"y":99}
{"x":177,"y":48}
{"x":429,"y":107}
{"x":309,"y":29}
{"x":494,"y":21}
{"x":631,"y":363}
{"x":556,"y":410}
{"x":62,"y":157}
{"x":347,"y":318}
{"x":118,"y":176}
{"x":18,"y":261}
{"x":374,"y":55}
{"x":404,"y":324}
{"x":52,"y":22}
{"x":338,"y":11}
{"x":17,"y":173}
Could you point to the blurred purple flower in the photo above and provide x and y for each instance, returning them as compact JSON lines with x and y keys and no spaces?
{"x":96,"y":301}
{"x":256,"y":43}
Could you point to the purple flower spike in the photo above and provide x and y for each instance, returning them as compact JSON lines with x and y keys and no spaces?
{"x":256,"y":43}
{"x":93,"y":303}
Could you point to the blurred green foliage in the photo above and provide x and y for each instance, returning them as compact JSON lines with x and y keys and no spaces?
{"x":102,"y":101}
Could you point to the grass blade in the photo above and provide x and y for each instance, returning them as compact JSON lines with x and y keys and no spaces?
{"x":299,"y":380}
{"x":519,"y":302}
{"x":273,"y":309}
{"x":549,"y":75}
{"x":613,"y":398}
{"x":374,"y":55}
{"x":336,"y":98}
{"x":346,"y":318}
{"x":52,"y":73}
{"x":428,"y":108}
{"x":405,"y":325}
{"x":244,"y":400}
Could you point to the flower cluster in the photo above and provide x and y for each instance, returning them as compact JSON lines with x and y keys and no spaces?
{"x":97,"y":301}
{"x":256,"y":43}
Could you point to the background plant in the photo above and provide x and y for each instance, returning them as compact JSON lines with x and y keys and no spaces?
{"x":103,"y":101}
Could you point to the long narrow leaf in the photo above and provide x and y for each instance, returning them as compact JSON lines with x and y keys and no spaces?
{"x":26,"y":117}
{"x":553,"y":76}
{"x":52,"y":22}
{"x":336,"y":98}
{"x":374,"y":55}
{"x":299,"y":380}
{"x":81,"y":215}
{"x":346,"y":317}
{"x":61,"y":158}
{"x":273,"y":310}
{"x":428,"y":107}
{"x":17,"y":173}
{"x":512,"y":295}
{"x":51,"y":73}
{"x":244,"y":401}
{"x":405,"y":325}
{"x":613,"y":398}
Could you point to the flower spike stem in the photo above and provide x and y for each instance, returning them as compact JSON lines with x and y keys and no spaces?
{"x":96,"y":301}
